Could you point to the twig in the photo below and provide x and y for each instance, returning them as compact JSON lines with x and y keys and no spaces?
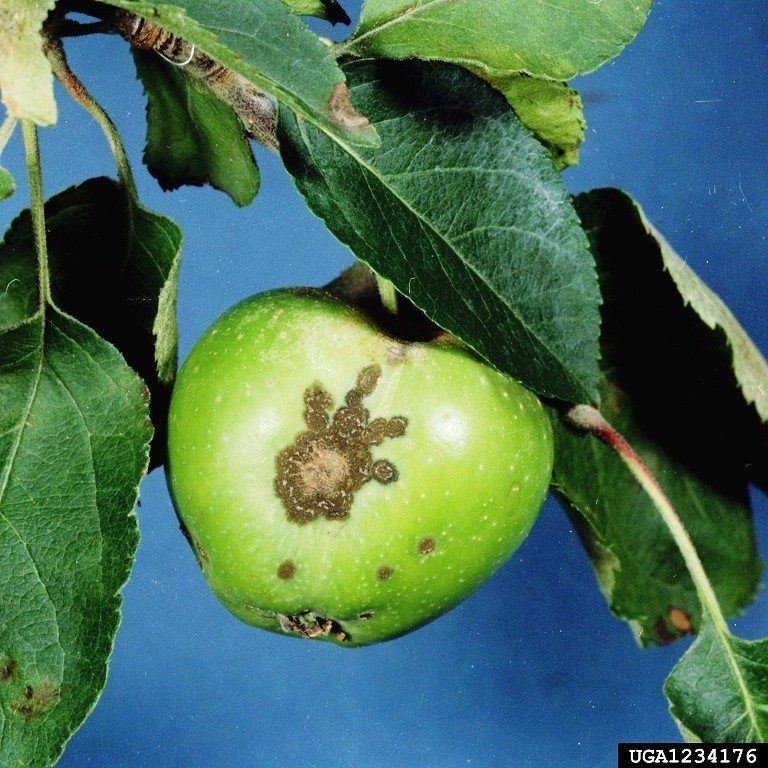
{"x":256,"y":110}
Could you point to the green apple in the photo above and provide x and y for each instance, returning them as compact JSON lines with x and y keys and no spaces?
{"x":339,"y":483}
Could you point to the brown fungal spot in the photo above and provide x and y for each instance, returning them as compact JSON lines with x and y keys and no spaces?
{"x":385,"y":572}
{"x":37,"y":700}
{"x":384,"y":472}
{"x":396,"y":354}
{"x":311,"y":626}
{"x":7,"y":670}
{"x":319,"y":474}
{"x":427,"y":545}
{"x":664,"y":634}
{"x":286,"y":570}
{"x":365,"y":615}
{"x":680,"y":620}
{"x":343,"y":112}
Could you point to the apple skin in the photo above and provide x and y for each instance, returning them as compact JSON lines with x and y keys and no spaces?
{"x":452,"y":487}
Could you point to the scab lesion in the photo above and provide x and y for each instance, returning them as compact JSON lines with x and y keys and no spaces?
{"x":286,"y":570}
{"x":37,"y":700}
{"x":319,"y":474}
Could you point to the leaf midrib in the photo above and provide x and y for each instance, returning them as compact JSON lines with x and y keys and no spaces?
{"x":407,"y":14}
{"x":6,"y":480}
{"x":724,"y":635}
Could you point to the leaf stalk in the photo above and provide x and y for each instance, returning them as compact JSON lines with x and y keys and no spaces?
{"x":37,"y":206}
{"x":588,"y":419}
{"x":57,"y":57}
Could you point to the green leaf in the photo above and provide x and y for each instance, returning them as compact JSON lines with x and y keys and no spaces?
{"x":750,"y":369}
{"x":330,"y":10}
{"x":463,"y":211}
{"x":193,"y":137}
{"x":669,"y":387}
{"x":718,"y":691}
{"x":7,"y":184}
{"x":26,"y":81}
{"x":555,"y":39}
{"x":270,"y":47}
{"x":552,"y":110}
{"x":74,"y":443}
{"x":114,"y":266}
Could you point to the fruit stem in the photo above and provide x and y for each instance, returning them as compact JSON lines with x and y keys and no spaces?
{"x":387,"y":294}
{"x":589,"y":419}
{"x":58,"y":59}
{"x":37,"y":205}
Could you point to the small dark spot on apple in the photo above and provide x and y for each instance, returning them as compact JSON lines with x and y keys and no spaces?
{"x":286,"y":570}
{"x":427,"y":545}
{"x":365,"y":615}
{"x":385,"y":572}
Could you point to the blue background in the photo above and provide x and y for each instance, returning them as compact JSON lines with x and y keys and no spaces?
{"x":532,"y":670}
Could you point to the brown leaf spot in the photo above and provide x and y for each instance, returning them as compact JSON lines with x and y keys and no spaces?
{"x":343,"y":112}
{"x":7,"y":670}
{"x":680,"y":620}
{"x":37,"y":700}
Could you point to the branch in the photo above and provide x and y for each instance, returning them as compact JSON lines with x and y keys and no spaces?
{"x":256,"y":110}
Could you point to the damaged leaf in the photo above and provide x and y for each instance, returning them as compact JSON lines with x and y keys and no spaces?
{"x":463,"y":211}
{"x":299,"y":72}
{"x":74,"y":444}
{"x":664,"y":368}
